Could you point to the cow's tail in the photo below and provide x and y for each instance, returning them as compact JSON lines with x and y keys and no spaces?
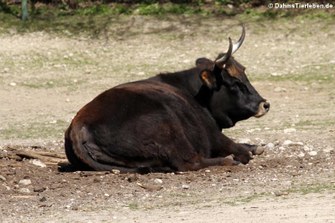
{"x":82,"y":152}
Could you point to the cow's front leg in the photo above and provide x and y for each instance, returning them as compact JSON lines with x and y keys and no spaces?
{"x":228,"y":147}
{"x":241,"y":153}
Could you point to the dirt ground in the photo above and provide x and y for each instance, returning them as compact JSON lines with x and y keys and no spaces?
{"x":46,"y":78}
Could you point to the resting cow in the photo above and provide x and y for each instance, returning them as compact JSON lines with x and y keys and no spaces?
{"x":170,"y":122}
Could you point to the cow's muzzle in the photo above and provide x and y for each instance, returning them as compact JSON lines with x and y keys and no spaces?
{"x":263,"y":108}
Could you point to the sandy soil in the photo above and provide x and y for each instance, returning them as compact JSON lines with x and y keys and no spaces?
{"x":46,"y":78}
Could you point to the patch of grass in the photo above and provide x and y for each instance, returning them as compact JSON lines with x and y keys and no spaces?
{"x":304,"y":190}
{"x":263,"y":14}
{"x":168,"y":8}
{"x":133,"y":206}
{"x":34,"y":130}
{"x":95,"y":10}
{"x":313,"y":188}
{"x":323,"y":74}
{"x":307,"y":77}
{"x":48,"y":83}
{"x":244,"y":199}
{"x":304,"y":124}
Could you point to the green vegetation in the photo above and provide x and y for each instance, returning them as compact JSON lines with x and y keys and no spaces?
{"x":244,"y":199}
{"x":34,"y":130}
{"x":93,"y":17}
{"x":133,"y":206}
{"x":320,"y":124}
{"x":313,"y":188}
{"x":304,"y":190}
{"x":309,"y":74}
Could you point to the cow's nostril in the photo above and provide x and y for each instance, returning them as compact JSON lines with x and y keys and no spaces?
{"x":266,"y":106}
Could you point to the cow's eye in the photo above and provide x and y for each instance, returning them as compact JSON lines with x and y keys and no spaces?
{"x":242,"y":87}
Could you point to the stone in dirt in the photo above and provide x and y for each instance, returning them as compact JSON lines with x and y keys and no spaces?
{"x":24,"y":191}
{"x":38,"y":163}
{"x":2,"y":178}
{"x":25,"y":182}
{"x":158,"y":181}
{"x":289,"y":130}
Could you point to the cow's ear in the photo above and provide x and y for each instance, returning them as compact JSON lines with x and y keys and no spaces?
{"x":208,"y":79}
{"x":204,"y":63}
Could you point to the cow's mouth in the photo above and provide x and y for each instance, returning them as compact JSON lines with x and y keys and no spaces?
{"x":263,"y":108}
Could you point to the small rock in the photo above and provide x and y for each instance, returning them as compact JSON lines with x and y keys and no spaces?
{"x":258,"y":151}
{"x":287,"y":142}
{"x":43,"y":199}
{"x":38,"y":163}
{"x":281,"y":148}
{"x":39,"y":189}
{"x":158,"y":181}
{"x":301,"y":154}
{"x":328,"y":149}
{"x":207,"y":171}
{"x":275,"y":74}
{"x":289,"y":130}
{"x":244,"y":141}
{"x":115,"y":171}
{"x":185,"y":186}
{"x":25,"y":182}
{"x":75,"y":208}
{"x":281,"y":193}
{"x":2,"y":178}
{"x":307,"y":148}
{"x":13,"y":84}
{"x":312,"y":153}
{"x":24,"y":191}
{"x":132,"y":178}
{"x":270,"y":145}
{"x":290,"y":143}
{"x":279,"y":89}
{"x":96,"y":180}
{"x":150,"y":187}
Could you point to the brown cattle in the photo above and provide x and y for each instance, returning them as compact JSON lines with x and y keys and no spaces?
{"x":170,"y":122}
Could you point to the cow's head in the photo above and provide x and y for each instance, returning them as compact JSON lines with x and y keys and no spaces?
{"x":233,"y":98}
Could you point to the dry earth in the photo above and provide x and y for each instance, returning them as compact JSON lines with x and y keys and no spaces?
{"x":45,"y":78}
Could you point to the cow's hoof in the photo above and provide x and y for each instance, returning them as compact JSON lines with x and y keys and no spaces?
{"x":230,"y":161}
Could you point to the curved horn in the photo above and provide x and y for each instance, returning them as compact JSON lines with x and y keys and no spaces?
{"x":240,"y":41}
{"x":224,"y":59}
